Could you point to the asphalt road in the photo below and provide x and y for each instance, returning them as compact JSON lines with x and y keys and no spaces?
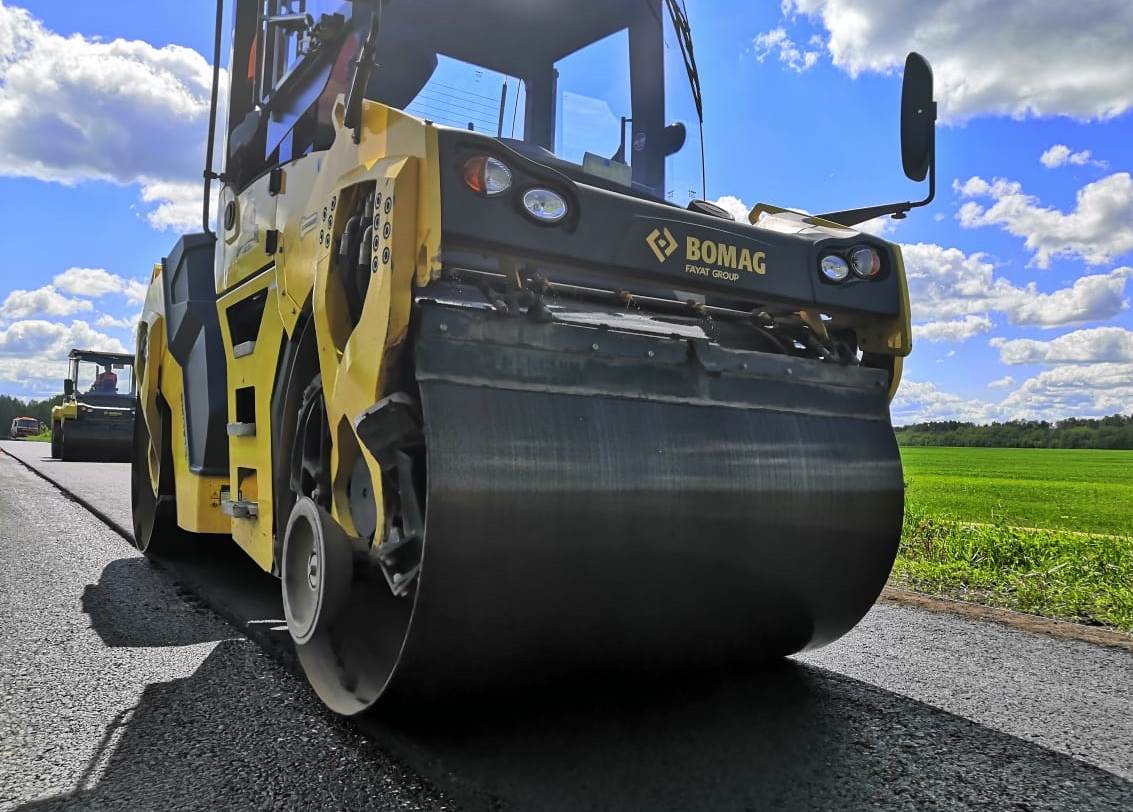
{"x":135,"y":686}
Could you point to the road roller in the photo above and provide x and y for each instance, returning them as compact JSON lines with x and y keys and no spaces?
{"x":470,"y":364}
{"x":95,"y":419}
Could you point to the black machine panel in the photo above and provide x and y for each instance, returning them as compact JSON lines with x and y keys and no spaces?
{"x":193,"y":333}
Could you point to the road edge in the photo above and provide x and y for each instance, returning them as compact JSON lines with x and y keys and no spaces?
{"x":1020,"y":621}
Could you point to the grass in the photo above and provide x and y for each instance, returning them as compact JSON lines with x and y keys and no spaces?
{"x":1056,"y":489}
{"x":1045,"y":531}
{"x":43,"y":437}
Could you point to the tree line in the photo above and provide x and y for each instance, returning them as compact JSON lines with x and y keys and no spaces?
{"x":1114,"y":432}
{"x":11,"y":408}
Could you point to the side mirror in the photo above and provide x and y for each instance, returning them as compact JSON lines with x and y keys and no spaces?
{"x":68,"y":388}
{"x":673,"y":138}
{"x":918,"y":118}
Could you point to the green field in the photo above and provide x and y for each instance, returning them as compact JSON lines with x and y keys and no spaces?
{"x":1047,"y":531}
{"x":1058,"y":489}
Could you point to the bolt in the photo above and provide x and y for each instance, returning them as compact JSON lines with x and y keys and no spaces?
{"x":743,"y":365}
{"x":444,"y":328}
{"x":594,"y":347}
{"x":651,"y":354}
{"x":790,"y":371}
{"x":398,"y":577}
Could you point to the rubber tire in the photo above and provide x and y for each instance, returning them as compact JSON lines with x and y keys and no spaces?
{"x":154,"y":516}
{"x":56,"y":442}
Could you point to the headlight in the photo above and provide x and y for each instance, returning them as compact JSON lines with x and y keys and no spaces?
{"x":545,"y":206}
{"x":487,"y":176}
{"x":834,"y":268}
{"x":865,"y":262}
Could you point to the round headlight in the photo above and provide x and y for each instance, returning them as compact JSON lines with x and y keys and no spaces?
{"x":834,"y":268}
{"x":545,"y":206}
{"x":487,"y":176}
{"x":865,"y":262}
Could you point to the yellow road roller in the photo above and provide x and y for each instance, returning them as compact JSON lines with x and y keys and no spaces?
{"x":499,"y":401}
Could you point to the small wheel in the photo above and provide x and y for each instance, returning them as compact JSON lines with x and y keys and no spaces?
{"x":56,"y":442}
{"x":317,"y":570}
{"x":153,"y":511}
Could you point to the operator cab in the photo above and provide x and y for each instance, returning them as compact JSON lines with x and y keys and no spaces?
{"x":579,"y":87}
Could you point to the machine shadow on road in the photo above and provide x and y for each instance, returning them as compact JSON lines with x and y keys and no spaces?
{"x":125,"y":610}
{"x":207,"y":741}
{"x":791,"y":736}
{"x":795,"y":738}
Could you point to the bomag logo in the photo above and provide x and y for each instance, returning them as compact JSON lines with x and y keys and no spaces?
{"x":718,"y":260}
{"x":662,"y":242}
{"x":724,"y":255}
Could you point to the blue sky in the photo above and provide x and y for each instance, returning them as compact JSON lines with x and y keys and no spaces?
{"x":1020,"y":271}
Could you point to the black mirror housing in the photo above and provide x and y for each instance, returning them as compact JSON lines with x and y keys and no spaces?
{"x":673,"y":138}
{"x":918,"y":118}
{"x":68,"y":387}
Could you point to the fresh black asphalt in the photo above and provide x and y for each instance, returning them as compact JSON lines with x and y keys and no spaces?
{"x":127,"y":685}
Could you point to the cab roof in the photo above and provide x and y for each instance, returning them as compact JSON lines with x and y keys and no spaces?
{"x":102,"y":357}
{"x":510,"y":36}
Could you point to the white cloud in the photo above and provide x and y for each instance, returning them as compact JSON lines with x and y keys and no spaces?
{"x":1001,"y":383}
{"x":45,"y":301}
{"x":1060,"y":155}
{"x":1098,"y":230}
{"x":945,"y":283}
{"x":1097,"y":346}
{"x":1088,"y":390}
{"x":1055,"y":156}
{"x":954,"y":330}
{"x":736,"y":207}
{"x":777,"y":41}
{"x":94,"y":283}
{"x":178,"y":204}
{"x":34,"y":337}
{"x":125,"y":323}
{"x":74,"y":109}
{"x":990,"y":56}
{"x":921,"y":401}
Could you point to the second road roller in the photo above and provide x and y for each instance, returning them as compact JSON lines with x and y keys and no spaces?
{"x":498,"y":400}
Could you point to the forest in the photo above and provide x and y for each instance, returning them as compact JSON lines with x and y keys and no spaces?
{"x":1114,"y":432}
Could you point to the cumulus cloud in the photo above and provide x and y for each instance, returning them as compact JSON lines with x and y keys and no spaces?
{"x":45,"y":301}
{"x":1061,"y":155}
{"x":953,"y":330}
{"x":94,"y":283}
{"x":35,"y":337}
{"x":1097,"y":346}
{"x":946,"y":283}
{"x":126,"y":323}
{"x":75,"y":108}
{"x":736,"y":207}
{"x":1021,"y":59}
{"x":1001,"y":383}
{"x":922,"y":401}
{"x":776,"y":41}
{"x":1080,"y":390}
{"x":1098,"y":230}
